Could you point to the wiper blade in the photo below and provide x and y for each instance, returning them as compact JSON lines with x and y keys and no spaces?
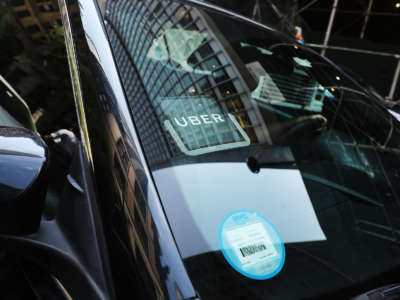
{"x":288,"y":162}
{"x":388,"y":292}
{"x":341,"y":188}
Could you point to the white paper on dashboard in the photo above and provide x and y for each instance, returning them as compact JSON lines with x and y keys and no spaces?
{"x":207,"y":192}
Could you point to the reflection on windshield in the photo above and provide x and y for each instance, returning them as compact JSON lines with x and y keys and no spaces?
{"x":207,"y":92}
{"x":296,"y":90}
{"x":180,"y":59}
{"x":177,"y":45}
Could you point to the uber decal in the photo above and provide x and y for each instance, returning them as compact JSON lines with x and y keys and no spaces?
{"x":198,"y":125}
{"x":198,"y":120}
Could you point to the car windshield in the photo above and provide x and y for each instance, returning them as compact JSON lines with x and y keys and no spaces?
{"x":233,"y":116}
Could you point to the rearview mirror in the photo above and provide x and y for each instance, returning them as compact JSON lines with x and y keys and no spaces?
{"x":23,"y":164}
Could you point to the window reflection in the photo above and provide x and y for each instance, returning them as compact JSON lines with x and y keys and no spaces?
{"x":176,"y":55}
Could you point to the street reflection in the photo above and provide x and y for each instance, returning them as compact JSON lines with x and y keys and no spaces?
{"x":33,"y":61}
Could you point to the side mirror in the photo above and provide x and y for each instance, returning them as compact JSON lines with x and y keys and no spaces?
{"x":23,"y":164}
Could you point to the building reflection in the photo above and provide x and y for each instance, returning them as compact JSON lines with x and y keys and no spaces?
{"x":168,"y":50}
{"x":37,"y":17}
{"x":131,"y":183}
{"x":132,"y":221}
{"x":33,"y":61}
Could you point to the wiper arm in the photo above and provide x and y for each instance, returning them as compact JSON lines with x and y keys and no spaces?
{"x":388,"y":292}
{"x":288,"y":162}
{"x":341,"y":188}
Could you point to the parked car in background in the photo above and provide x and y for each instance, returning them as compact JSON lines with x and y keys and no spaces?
{"x":218,"y":159}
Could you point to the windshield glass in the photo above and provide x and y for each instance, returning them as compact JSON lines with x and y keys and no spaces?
{"x":234,"y":117}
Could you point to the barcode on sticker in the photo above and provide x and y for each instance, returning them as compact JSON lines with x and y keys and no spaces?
{"x":252,"y":249}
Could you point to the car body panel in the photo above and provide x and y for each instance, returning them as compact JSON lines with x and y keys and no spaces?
{"x":140,"y":244}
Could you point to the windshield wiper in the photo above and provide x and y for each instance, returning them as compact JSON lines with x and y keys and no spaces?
{"x":255,"y":166}
{"x":276,"y":157}
{"x":341,"y":188}
{"x":388,"y":292}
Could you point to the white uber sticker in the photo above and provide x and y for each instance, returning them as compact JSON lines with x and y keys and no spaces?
{"x":251,"y":245}
{"x":198,"y":125}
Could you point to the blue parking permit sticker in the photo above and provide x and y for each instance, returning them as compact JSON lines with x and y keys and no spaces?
{"x":251,"y":245}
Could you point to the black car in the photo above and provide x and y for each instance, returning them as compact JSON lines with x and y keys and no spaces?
{"x":218,"y":159}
